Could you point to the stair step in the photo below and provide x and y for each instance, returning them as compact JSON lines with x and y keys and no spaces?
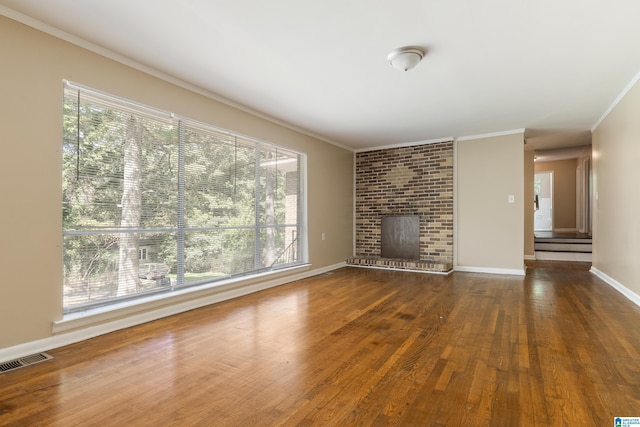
{"x":563,"y":247}
{"x":561,"y":240}
{"x":564,"y":256}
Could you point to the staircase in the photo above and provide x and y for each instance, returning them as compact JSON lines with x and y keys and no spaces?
{"x":563,"y":246}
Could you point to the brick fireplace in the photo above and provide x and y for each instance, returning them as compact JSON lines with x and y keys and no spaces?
{"x":406,"y":181}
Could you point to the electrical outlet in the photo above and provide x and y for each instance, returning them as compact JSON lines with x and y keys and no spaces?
{"x":512,"y":198}
{"x":324,"y":236}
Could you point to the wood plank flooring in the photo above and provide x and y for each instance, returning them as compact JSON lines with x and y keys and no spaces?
{"x":357,"y":347}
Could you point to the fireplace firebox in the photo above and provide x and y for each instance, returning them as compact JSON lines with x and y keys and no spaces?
{"x":400,"y":237}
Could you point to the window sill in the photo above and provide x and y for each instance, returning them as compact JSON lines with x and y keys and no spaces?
{"x":128,"y":313}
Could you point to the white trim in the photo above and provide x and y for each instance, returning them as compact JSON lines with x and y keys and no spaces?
{"x":490,"y":270}
{"x":616,"y":101}
{"x":404,"y":144}
{"x":88,"y":330}
{"x":530,"y":257}
{"x":438,"y":140}
{"x":99,"y":50}
{"x":565,"y":230}
{"x":631,"y":296}
{"x":491,"y":135}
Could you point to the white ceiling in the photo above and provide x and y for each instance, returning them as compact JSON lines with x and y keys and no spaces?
{"x":552,"y":67}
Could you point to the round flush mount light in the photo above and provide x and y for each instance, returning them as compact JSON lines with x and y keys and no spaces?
{"x":405,"y":58}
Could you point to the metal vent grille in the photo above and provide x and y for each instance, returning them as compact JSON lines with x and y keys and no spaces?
{"x":24,"y":361}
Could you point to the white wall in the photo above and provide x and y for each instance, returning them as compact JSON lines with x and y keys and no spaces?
{"x":616,"y":179}
{"x":490,"y":230}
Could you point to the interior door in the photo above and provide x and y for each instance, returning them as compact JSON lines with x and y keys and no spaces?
{"x":543,"y":192}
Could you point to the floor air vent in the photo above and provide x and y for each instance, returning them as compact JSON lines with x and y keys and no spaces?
{"x":24,"y":361}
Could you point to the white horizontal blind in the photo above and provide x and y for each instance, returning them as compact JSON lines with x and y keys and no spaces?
{"x":153,"y":203}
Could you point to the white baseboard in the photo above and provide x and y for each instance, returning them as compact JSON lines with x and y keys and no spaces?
{"x":530,"y":257}
{"x":632,"y":296}
{"x":88,"y":329}
{"x":488,"y":270}
{"x":565,"y":230}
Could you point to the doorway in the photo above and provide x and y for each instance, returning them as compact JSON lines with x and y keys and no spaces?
{"x":583,"y":196}
{"x":543,"y":201}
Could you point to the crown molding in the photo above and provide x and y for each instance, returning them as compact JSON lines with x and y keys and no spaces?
{"x":405,"y":144}
{"x":492,"y":135}
{"x":616,"y":101}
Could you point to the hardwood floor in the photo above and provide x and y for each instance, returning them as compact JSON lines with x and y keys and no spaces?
{"x":358,"y":347}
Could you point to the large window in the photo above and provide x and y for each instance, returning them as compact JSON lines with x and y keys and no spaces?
{"x":153,"y":203}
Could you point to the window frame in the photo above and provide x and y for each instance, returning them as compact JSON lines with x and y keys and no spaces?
{"x":180,"y":228}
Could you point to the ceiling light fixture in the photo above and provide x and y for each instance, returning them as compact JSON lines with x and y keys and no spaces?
{"x":405,"y":58}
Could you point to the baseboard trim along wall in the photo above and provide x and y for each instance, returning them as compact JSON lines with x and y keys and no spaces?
{"x":81,"y":331}
{"x":632,"y":296}
{"x":489,"y":270}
